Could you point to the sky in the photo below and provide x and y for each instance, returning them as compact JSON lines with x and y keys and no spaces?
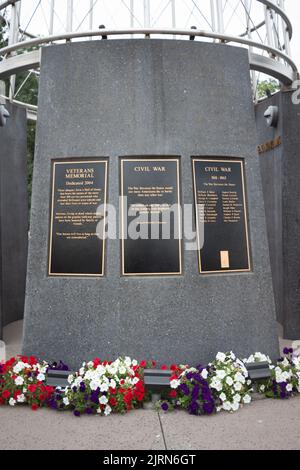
{"x":293,"y":10}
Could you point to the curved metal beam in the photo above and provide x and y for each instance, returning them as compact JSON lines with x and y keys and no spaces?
{"x":31,"y":60}
{"x":147,"y":32}
{"x":7,"y":3}
{"x":271,"y":67}
{"x":281,"y":13}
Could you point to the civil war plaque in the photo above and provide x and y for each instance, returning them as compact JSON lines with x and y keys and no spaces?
{"x":78,"y":204}
{"x":150,"y":216}
{"x":220,"y":202}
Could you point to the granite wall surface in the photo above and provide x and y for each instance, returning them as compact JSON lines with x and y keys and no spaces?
{"x":280,"y":170}
{"x":147,"y":97}
{"x":13,"y":215}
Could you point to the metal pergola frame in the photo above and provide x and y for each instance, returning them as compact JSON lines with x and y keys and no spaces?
{"x":277,"y":63}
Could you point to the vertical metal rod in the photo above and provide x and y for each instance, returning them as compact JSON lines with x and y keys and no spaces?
{"x":69,"y":16}
{"x":220,"y":18}
{"x":173,"y":7}
{"x":91,"y":16}
{"x":146,"y":13}
{"x":12,"y":39}
{"x":248,"y":25}
{"x":52,"y":6}
{"x":268,"y":27}
{"x":286,"y":37}
{"x":131,"y":13}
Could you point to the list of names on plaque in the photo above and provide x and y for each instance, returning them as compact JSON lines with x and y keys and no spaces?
{"x":77,"y":206}
{"x":151,"y":223}
{"x":221,"y":207}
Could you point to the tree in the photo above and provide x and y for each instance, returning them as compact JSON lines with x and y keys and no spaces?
{"x":267,"y":87}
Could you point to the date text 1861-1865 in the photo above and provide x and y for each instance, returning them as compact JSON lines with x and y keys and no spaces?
{"x":77,"y":205}
{"x":220,"y":203}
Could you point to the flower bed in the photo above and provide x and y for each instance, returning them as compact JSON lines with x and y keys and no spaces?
{"x":101,"y":387}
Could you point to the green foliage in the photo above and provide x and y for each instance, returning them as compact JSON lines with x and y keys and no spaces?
{"x":266,"y":87}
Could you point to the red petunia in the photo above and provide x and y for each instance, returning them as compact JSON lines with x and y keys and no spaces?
{"x":32,"y":360}
{"x":164,"y":367}
{"x":34,"y":406}
{"x":113,"y":391}
{"x":96,"y":362}
{"x":173,"y":367}
{"x":173,"y":394}
{"x":143,"y":364}
{"x":153,"y":363}
{"x":112,"y":401}
{"x":42,"y":397}
{"x":5,"y":394}
{"x":32,"y":388}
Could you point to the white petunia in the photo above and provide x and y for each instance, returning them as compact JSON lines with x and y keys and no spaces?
{"x":18,"y":367}
{"x":229,"y":380}
{"x":221,"y":356}
{"x":104,"y":387}
{"x":127,"y":361}
{"x":235,"y":406}
{"x":135,"y":380}
{"x":100,"y":370}
{"x":122,"y":370}
{"x":237,"y":386}
{"x":134,"y":362}
{"x":19,"y":380}
{"x":262,"y":388}
{"x":174,"y":383}
{"x":99,"y":411}
{"x":12,"y":402}
{"x":247,"y":399}
{"x":239,"y":378}
{"x":223,"y":396}
{"x":103,"y":400}
{"x":221,"y":374}
{"x":113,"y":383}
{"x":66,"y":401}
{"x":237,"y":398}
{"x":289,"y":387}
{"x":81,"y":371}
{"x":107,"y":410}
{"x":204,"y":374}
{"x":226,"y":406}
{"x":216,"y":383}
{"x":94,"y":384}
{"x":21,"y":398}
{"x":70,"y":378}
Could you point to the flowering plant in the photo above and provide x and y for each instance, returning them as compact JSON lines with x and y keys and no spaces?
{"x":22,"y":381}
{"x":102,"y":387}
{"x":191,"y":391}
{"x":228,"y":377}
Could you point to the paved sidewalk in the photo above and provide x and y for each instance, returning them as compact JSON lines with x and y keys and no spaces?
{"x":265,"y":424}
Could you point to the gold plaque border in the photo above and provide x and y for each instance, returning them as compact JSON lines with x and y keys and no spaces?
{"x":222,"y":160}
{"x":68,"y":161}
{"x":148,"y":159}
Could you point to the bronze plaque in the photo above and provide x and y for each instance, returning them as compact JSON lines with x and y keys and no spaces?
{"x":78,"y":204}
{"x":220,"y":202}
{"x":150,"y":202}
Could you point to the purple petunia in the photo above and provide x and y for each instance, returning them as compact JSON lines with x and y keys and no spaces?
{"x":76,"y":413}
{"x":164,"y":406}
{"x":89,"y":411}
{"x":195,"y":392}
{"x":185,"y":389}
{"x":208,"y":408}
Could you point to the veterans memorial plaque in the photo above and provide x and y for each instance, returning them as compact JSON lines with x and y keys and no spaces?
{"x":78,"y":189}
{"x":150,"y":216}
{"x":220,"y":204}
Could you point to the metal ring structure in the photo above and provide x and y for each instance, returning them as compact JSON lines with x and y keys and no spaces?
{"x":270,"y":56}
